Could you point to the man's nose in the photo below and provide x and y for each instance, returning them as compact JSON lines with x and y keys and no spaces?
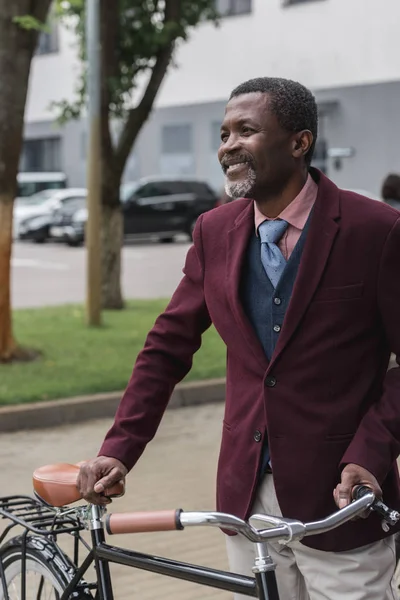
{"x":229,"y":145}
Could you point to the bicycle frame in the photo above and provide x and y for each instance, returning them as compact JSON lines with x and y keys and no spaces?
{"x":46,"y":522}
{"x":262,"y":585}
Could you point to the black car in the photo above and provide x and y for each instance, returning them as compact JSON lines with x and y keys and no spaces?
{"x":64,"y":228}
{"x":154,"y":207}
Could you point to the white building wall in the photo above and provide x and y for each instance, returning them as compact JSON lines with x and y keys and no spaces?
{"x":53,"y":78}
{"x":322,"y":43}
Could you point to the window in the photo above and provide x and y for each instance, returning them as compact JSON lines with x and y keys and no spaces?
{"x":176,"y":139}
{"x":215,"y":135}
{"x":202,"y":190}
{"x":228,"y":8}
{"x":291,"y":2}
{"x":41,"y":155}
{"x":177,"y":150}
{"x":173,"y":188}
{"x":48,"y":40}
{"x":153,"y":189}
{"x":73,"y":203}
{"x":84,"y":145}
{"x":320,"y":156}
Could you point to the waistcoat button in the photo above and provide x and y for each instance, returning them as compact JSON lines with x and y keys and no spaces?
{"x":257,"y":436}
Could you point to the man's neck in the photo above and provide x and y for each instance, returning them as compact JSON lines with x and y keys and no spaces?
{"x":272,"y":205}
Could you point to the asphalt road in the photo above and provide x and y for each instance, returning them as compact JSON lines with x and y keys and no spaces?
{"x":50,"y":274}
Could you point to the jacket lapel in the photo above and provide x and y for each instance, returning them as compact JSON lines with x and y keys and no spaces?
{"x":238,"y":239}
{"x":321,"y":235}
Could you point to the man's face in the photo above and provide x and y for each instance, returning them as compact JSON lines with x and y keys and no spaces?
{"x":256,"y":154}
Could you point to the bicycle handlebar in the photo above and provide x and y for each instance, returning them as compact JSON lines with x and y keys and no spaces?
{"x":273,"y":528}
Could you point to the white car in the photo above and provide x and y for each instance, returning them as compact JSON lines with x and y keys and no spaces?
{"x":43,"y":204}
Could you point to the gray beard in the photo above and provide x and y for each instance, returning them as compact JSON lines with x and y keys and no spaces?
{"x":240,"y":189}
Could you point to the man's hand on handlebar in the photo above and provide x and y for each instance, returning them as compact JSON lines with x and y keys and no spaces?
{"x":98,"y":475}
{"x":352,"y":476}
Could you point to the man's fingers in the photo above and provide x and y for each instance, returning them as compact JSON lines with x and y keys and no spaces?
{"x":352,"y":476}
{"x":344,"y":498}
{"x":343,"y":490}
{"x":342,"y":495}
{"x":105,"y":483}
{"x":99,"y":475}
{"x":86,"y":480}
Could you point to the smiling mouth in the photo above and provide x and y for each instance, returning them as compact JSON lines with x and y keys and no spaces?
{"x":232,"y":164}
{"x":236,"y":167}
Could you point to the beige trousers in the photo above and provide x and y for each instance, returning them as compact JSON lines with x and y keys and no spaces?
{"x":307,"y":574}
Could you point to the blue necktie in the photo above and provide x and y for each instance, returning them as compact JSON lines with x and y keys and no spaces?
{"x":270,"y":233}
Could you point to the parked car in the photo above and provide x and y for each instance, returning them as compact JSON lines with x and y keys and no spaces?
{"x":33,"y":221}
{"x":64,"y":227}
{"x":158,"y":207}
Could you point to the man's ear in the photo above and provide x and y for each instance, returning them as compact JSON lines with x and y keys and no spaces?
{"x":302,"y":143}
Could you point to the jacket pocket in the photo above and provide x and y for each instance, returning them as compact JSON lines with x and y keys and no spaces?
{"x":345,"y":292}
{"x":339,"y":437}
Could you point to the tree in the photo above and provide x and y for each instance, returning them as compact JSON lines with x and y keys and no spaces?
{"x":138,"y":38}
{"x":20,"y":23}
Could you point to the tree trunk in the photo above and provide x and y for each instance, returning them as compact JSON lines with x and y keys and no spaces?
{"x":7,"y":344}
{"x":111,"y":243}
{"x":114,"y":158}
{"x":17,"y":46}
{"x":111,"y":239}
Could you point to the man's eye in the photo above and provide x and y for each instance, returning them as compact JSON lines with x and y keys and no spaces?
{"x":247,"y":130}
{"x":224,"y":137}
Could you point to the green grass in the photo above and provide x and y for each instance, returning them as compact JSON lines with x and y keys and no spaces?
{"x":78,"y":360}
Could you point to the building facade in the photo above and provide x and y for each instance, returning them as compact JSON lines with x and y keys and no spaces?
{"x":345,"y":51}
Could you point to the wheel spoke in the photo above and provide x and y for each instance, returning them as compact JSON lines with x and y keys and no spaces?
{"x":40,"y":589}
{"x":40,"y":583}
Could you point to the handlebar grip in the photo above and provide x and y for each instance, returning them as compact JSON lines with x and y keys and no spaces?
{"x":359,"y":491}
{"x":143,"y":522}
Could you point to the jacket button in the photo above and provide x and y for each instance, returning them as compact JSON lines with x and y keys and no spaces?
{"x":270,"y":381}
{"x":257,"y":436}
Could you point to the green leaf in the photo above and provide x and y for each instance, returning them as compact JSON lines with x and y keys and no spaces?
{"x":28,"y":22}
{"x":142,"y":33}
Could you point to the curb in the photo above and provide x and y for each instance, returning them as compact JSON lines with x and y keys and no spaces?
{"x":41,"y":415}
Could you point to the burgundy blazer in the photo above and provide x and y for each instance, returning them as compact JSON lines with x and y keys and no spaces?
{"x":325,"y":398}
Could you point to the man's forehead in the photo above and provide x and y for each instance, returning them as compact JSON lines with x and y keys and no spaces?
{"x":253,"y":100}
{"x":253,"y":105}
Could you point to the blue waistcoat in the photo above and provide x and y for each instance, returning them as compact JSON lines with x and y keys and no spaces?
{"x":265,"y":306}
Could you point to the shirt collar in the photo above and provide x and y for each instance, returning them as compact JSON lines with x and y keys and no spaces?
{"x":297,"y":212}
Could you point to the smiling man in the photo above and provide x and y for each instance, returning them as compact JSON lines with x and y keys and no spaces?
{"x":300,"y":279}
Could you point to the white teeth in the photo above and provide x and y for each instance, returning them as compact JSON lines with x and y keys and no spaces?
{"x":235,"y":167}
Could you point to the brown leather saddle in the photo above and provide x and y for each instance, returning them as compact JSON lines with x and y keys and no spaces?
{"x":56,"y":484}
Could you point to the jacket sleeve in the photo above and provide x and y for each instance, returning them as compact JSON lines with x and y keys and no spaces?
{"x":164,"y":361}
{"x":376,"y":444}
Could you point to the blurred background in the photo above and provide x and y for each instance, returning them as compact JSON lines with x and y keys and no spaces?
{"x":345,"y":51}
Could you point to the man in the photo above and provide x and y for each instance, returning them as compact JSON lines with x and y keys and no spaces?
{"x":391,"y":190}
{"x":301,"y":281}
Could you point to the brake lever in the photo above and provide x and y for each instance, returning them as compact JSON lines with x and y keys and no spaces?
{"x":389,"y":516}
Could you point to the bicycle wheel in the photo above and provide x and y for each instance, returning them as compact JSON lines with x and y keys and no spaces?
{"x":45,"y":579}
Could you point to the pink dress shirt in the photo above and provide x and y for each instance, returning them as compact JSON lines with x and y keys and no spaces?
{"x":296,"y":214}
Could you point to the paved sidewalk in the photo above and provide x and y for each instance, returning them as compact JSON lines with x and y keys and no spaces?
{"x":177,"y":470}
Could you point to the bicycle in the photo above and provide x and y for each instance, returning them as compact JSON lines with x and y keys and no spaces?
{"x":33,"y":565}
